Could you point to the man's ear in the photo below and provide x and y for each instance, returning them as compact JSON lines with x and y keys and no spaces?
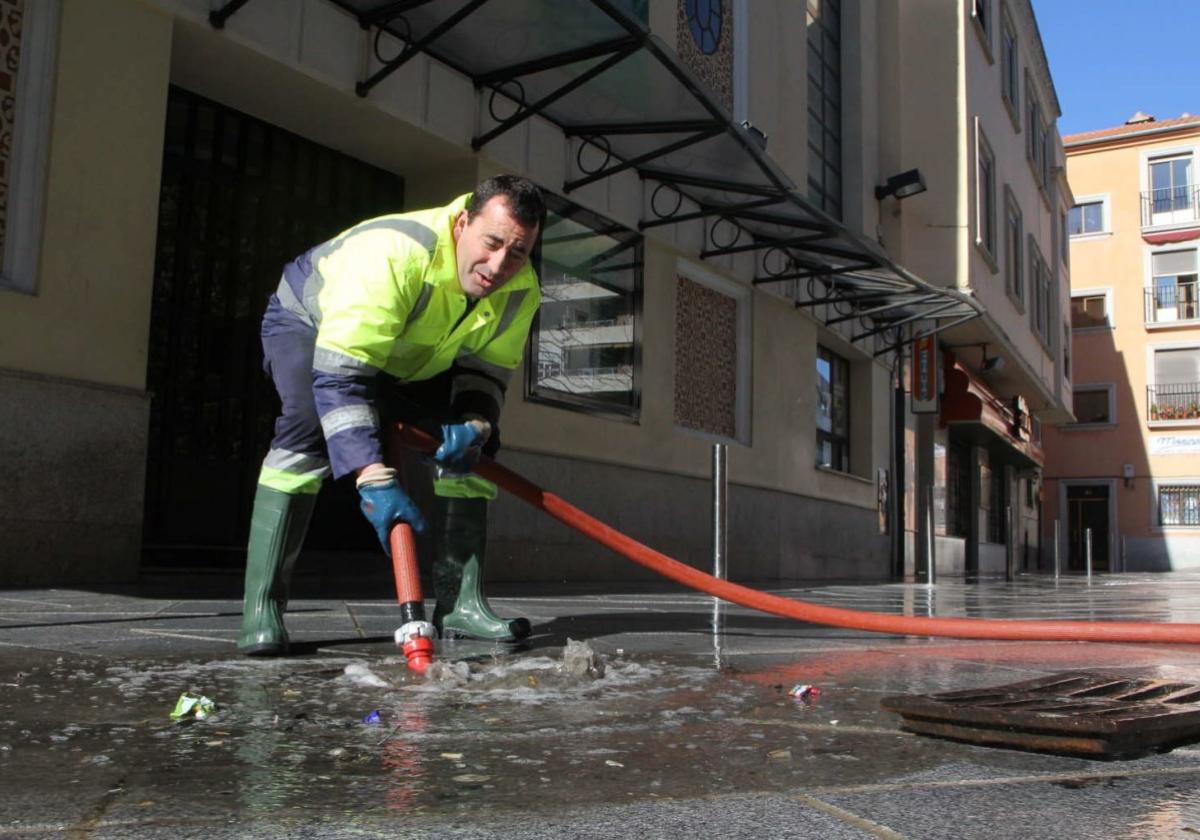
{"x":460,"y":224}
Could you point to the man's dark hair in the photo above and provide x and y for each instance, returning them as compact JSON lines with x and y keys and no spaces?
{"x":523,"y":197}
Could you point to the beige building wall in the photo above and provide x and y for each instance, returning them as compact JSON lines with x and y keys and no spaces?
{"x":1116,"y":262}
{"x":81,"y":341}
{"x":93,"y":288}
{"x":73,"y":409}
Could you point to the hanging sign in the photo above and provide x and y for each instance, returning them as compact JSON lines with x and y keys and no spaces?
{"x":925,"y":396}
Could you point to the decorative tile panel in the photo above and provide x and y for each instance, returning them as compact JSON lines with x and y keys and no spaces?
{"x":705,"y":359}
{"x":11,"y":13}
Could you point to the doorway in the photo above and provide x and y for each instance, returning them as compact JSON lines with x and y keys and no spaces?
{"x":239,"y":197}
{"x":1088,"y":510}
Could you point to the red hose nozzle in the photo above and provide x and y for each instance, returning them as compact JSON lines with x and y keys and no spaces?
{"x":418,"y":650}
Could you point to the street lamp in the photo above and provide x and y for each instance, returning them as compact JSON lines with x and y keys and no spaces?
{"x":902,"y":185}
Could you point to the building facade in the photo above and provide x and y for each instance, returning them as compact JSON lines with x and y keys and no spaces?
{"x":717,"y":266}
{"x":1127,"y":471}
{"x":977,"y":117}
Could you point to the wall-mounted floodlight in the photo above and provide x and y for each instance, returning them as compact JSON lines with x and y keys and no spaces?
{"x":903,"y":185}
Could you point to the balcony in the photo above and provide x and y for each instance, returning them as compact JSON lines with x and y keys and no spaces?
{"x":1171,"y":206}
{"x":1174,"y":403}
{"x":1171,"y":302}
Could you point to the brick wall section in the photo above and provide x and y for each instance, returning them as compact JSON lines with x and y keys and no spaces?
{"x":11,"y":12}
{"x":705,"y":359}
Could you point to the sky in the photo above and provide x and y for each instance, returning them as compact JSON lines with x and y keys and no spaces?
{"x":1111,"y":58}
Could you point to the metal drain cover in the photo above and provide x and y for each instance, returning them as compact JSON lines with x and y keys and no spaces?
{"x":1075,"y":713}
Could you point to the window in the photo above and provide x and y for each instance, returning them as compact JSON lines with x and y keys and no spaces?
{"x":1173,"y":286}
{"x":1010,"y":68}
{"x":1035,"y":136}
{"x":981,"y":13}
{"x":29,"y":33}
{"x":1040,"y":293}
{"x":585,"y":349}
{"x":985,"y":195}
{"x":1175,"y":392}
{"x":833,"y":410}
{"x":1178,"y":504}
{"x":1014,"y":281}
{"x":1064,"y":240}
{"x":1086,"y":217}
{"x":1089,"y":309}
{"x":958,"y":484}
{"x":1066,"y":351}
{"x":1092,"y":404}
{"x":1171,"y":189}
{"x":1049,"y":155}
{"x":825,"y":105}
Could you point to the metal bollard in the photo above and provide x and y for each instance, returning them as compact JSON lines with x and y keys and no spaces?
{"x":1057,"y":537}
{"x":719,"y":511}
{"x":1087,"y":551}
{"x":930,"y":560}
{"x":720,"y":545}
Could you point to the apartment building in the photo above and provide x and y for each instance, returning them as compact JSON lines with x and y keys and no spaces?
{"x":1125,"y":476}
{"x":737,"y":253}
{"x":977,"y":116}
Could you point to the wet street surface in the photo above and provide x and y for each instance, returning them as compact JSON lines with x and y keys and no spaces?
{"x":671,"y":717}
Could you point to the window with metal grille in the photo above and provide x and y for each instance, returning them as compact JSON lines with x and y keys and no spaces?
{"x":999,"y":503}
{"x":958,"y":482}
{"x":824,"y":19}
{"x":1179,"y":504}
{"x":833,"y":410}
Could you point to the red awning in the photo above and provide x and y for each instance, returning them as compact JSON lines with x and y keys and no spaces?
{"x":1170,"y":236}
{"x":967,"y":399}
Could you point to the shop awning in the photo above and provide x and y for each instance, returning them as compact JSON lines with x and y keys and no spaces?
{"x":979,"y":415}
{"x":593,"y":68}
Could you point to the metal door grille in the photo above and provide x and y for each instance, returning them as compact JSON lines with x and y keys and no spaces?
{"x":239,"y":198}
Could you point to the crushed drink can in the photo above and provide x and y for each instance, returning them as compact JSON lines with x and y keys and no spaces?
{"x":803,"y":691}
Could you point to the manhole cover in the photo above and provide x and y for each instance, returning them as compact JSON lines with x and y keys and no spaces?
{"x":1076,"y":713}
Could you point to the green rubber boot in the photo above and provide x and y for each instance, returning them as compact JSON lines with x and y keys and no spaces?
{"x":462,"y":610}
{"x":277,"y":528}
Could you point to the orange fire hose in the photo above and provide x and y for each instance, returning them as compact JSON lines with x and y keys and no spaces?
{"x":415,"y":637}
{"x":961,"y":628}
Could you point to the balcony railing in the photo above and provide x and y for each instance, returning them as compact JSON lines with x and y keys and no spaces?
{"x":1174,"y":401}
{"x":1171,"y":205}
{"x":1176,"y":302}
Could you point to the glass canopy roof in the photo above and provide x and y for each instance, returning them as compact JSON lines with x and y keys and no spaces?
{"x":593,"y":68}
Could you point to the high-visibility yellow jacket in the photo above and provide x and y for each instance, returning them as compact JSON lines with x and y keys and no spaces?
{"x":383,"y":298}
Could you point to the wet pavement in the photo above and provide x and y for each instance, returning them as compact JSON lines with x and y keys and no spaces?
{"x":682,"y":723}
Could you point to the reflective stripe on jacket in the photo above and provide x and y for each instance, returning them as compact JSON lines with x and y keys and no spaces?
{"x":384,"y":298}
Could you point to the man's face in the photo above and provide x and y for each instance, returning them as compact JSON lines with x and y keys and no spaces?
{"x":492,"y":248}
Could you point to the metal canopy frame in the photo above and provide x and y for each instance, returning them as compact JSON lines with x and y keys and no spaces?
{"x":674,"y":134}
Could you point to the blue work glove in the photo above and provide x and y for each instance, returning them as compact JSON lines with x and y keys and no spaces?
{"x":462,"y":444}
{"x":385,"y":503}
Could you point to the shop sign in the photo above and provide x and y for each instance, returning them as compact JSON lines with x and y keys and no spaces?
{"x":1174,"y":444}
{"x":925,"y":376}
